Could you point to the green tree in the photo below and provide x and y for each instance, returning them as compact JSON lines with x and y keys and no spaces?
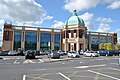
{"x":101,"y":46}
{"x":117,"y":46}
{"x":109,"y":46}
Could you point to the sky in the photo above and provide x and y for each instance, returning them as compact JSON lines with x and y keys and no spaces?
{"x":98,"y":15}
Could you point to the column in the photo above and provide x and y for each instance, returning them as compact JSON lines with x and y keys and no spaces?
{"x":13,"y":40}
{"x":61,"y":37}
{"x":107,"y":38}
{"x":52,"y":41}
{"x":89,"y":41}
{"x":78,"y":44}
{"x":38,"y":38}
{"x":98,"y":40}
{"x":23,"y":38}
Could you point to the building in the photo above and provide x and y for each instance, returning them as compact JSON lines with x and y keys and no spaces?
{"x":73,"y":36}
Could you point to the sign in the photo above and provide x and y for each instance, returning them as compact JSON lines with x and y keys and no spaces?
{"x":49,"y":44}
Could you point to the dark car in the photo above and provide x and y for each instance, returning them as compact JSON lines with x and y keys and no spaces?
{"x":30,"y":54}
{"x":20,"y":52}
{"x":106,"y":53}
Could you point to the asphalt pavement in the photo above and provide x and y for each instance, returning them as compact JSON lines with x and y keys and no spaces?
{"x":41,"y":68}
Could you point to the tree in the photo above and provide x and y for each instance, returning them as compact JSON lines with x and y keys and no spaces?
{"x":101,"y":46}
{"x":117,"y":46}
{"x":109,"y":46}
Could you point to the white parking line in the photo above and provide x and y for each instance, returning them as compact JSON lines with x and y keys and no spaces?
{"x":28,"y":61}
{"x":40,"y":60}
{"x":104,"y":75}
{"x":83,"y":67}
{"x":114,"y":69}
{"x":15,"y":61}
{"x":24,"y":76}
{"x":64,"y":76}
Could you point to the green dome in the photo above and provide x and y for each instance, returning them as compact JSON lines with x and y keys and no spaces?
{"x":74,"y":19}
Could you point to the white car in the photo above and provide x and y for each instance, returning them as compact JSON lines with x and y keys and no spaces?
{"x":12,"y":52}
{"x":73,"y":54}
{"x":91,"y":54}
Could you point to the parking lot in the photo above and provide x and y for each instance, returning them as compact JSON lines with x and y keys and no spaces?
{"x":43,"y":68}
{"x":89,"y":74}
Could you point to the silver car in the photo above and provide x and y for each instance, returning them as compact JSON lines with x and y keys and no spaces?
{"x":53,"y":54}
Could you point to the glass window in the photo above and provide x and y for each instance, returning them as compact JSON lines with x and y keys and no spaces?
{"x":30,"y":40}
{"x":57,"y":41}
{"x":103,"y":39}
{"x":45,"y":38}
{"x":17,"y":40}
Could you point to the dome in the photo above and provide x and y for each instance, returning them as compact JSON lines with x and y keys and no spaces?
{"x":74,"y":19}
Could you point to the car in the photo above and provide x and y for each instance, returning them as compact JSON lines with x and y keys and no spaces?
{"x":106,"y":52}
{"x":20,"y":52}
{"x":61,"y":52}
{"x":81,"y":52}
{"x":12,"y":53}
{"x":91,"y":54}
{"x":73,"y":54}
{"x":53,"y":54}
{"x":30,"y":54}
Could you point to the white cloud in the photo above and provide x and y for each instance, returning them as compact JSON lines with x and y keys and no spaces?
{"x":114,"y":5}
{"x":119,"y":40}
{"x":1,"y":30}
{"x":105,"y":20}
{"x":57,"y":24}
{"x":117,"y":30}
{"x":87,"y":17}
{"x":22,"y":11}
{"x":81,"y":5}
{"x":103,"y":27}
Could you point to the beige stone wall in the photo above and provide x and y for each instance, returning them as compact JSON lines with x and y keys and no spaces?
{"x":7,"y":45}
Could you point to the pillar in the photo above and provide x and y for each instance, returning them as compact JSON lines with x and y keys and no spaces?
{"x":23,"y":38}
{"x":78,"y":44}
{"x":52,"y":41}
{"x":13,"y":40}
{"x":89,"y":41}
{"x":38,"y":38}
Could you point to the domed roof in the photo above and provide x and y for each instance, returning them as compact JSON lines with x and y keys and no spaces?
{"x":74,"y":19}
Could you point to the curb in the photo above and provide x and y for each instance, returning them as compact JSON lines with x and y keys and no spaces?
{"x":57,"y":60}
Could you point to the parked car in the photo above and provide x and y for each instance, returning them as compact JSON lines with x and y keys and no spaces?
{"x":53,"y":54}
{"x":61,"y":52}
{"x":20,"y":52}
{"x":106,"y":53}
{"x":5,"y":52}
{"x":91,"y":54}
{"x":12,"y":53}
{"x":73,"y":54}
{"x":2,"y":53}
{"x":81,"y":52}
{"x":30,"y":54}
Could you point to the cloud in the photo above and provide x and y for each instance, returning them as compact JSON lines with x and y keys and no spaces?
{"x":88,"y":17}
{"x":114,"y":5}
{"x":119,"y":40}
{"x":103,"y":27}
{"x":1,"y":30}
{"x":117,"y":30}
{"x":105,"y":20}
{"x":57,"y":24}
{"x":23,"y":11}
{"x":81,"y":5}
